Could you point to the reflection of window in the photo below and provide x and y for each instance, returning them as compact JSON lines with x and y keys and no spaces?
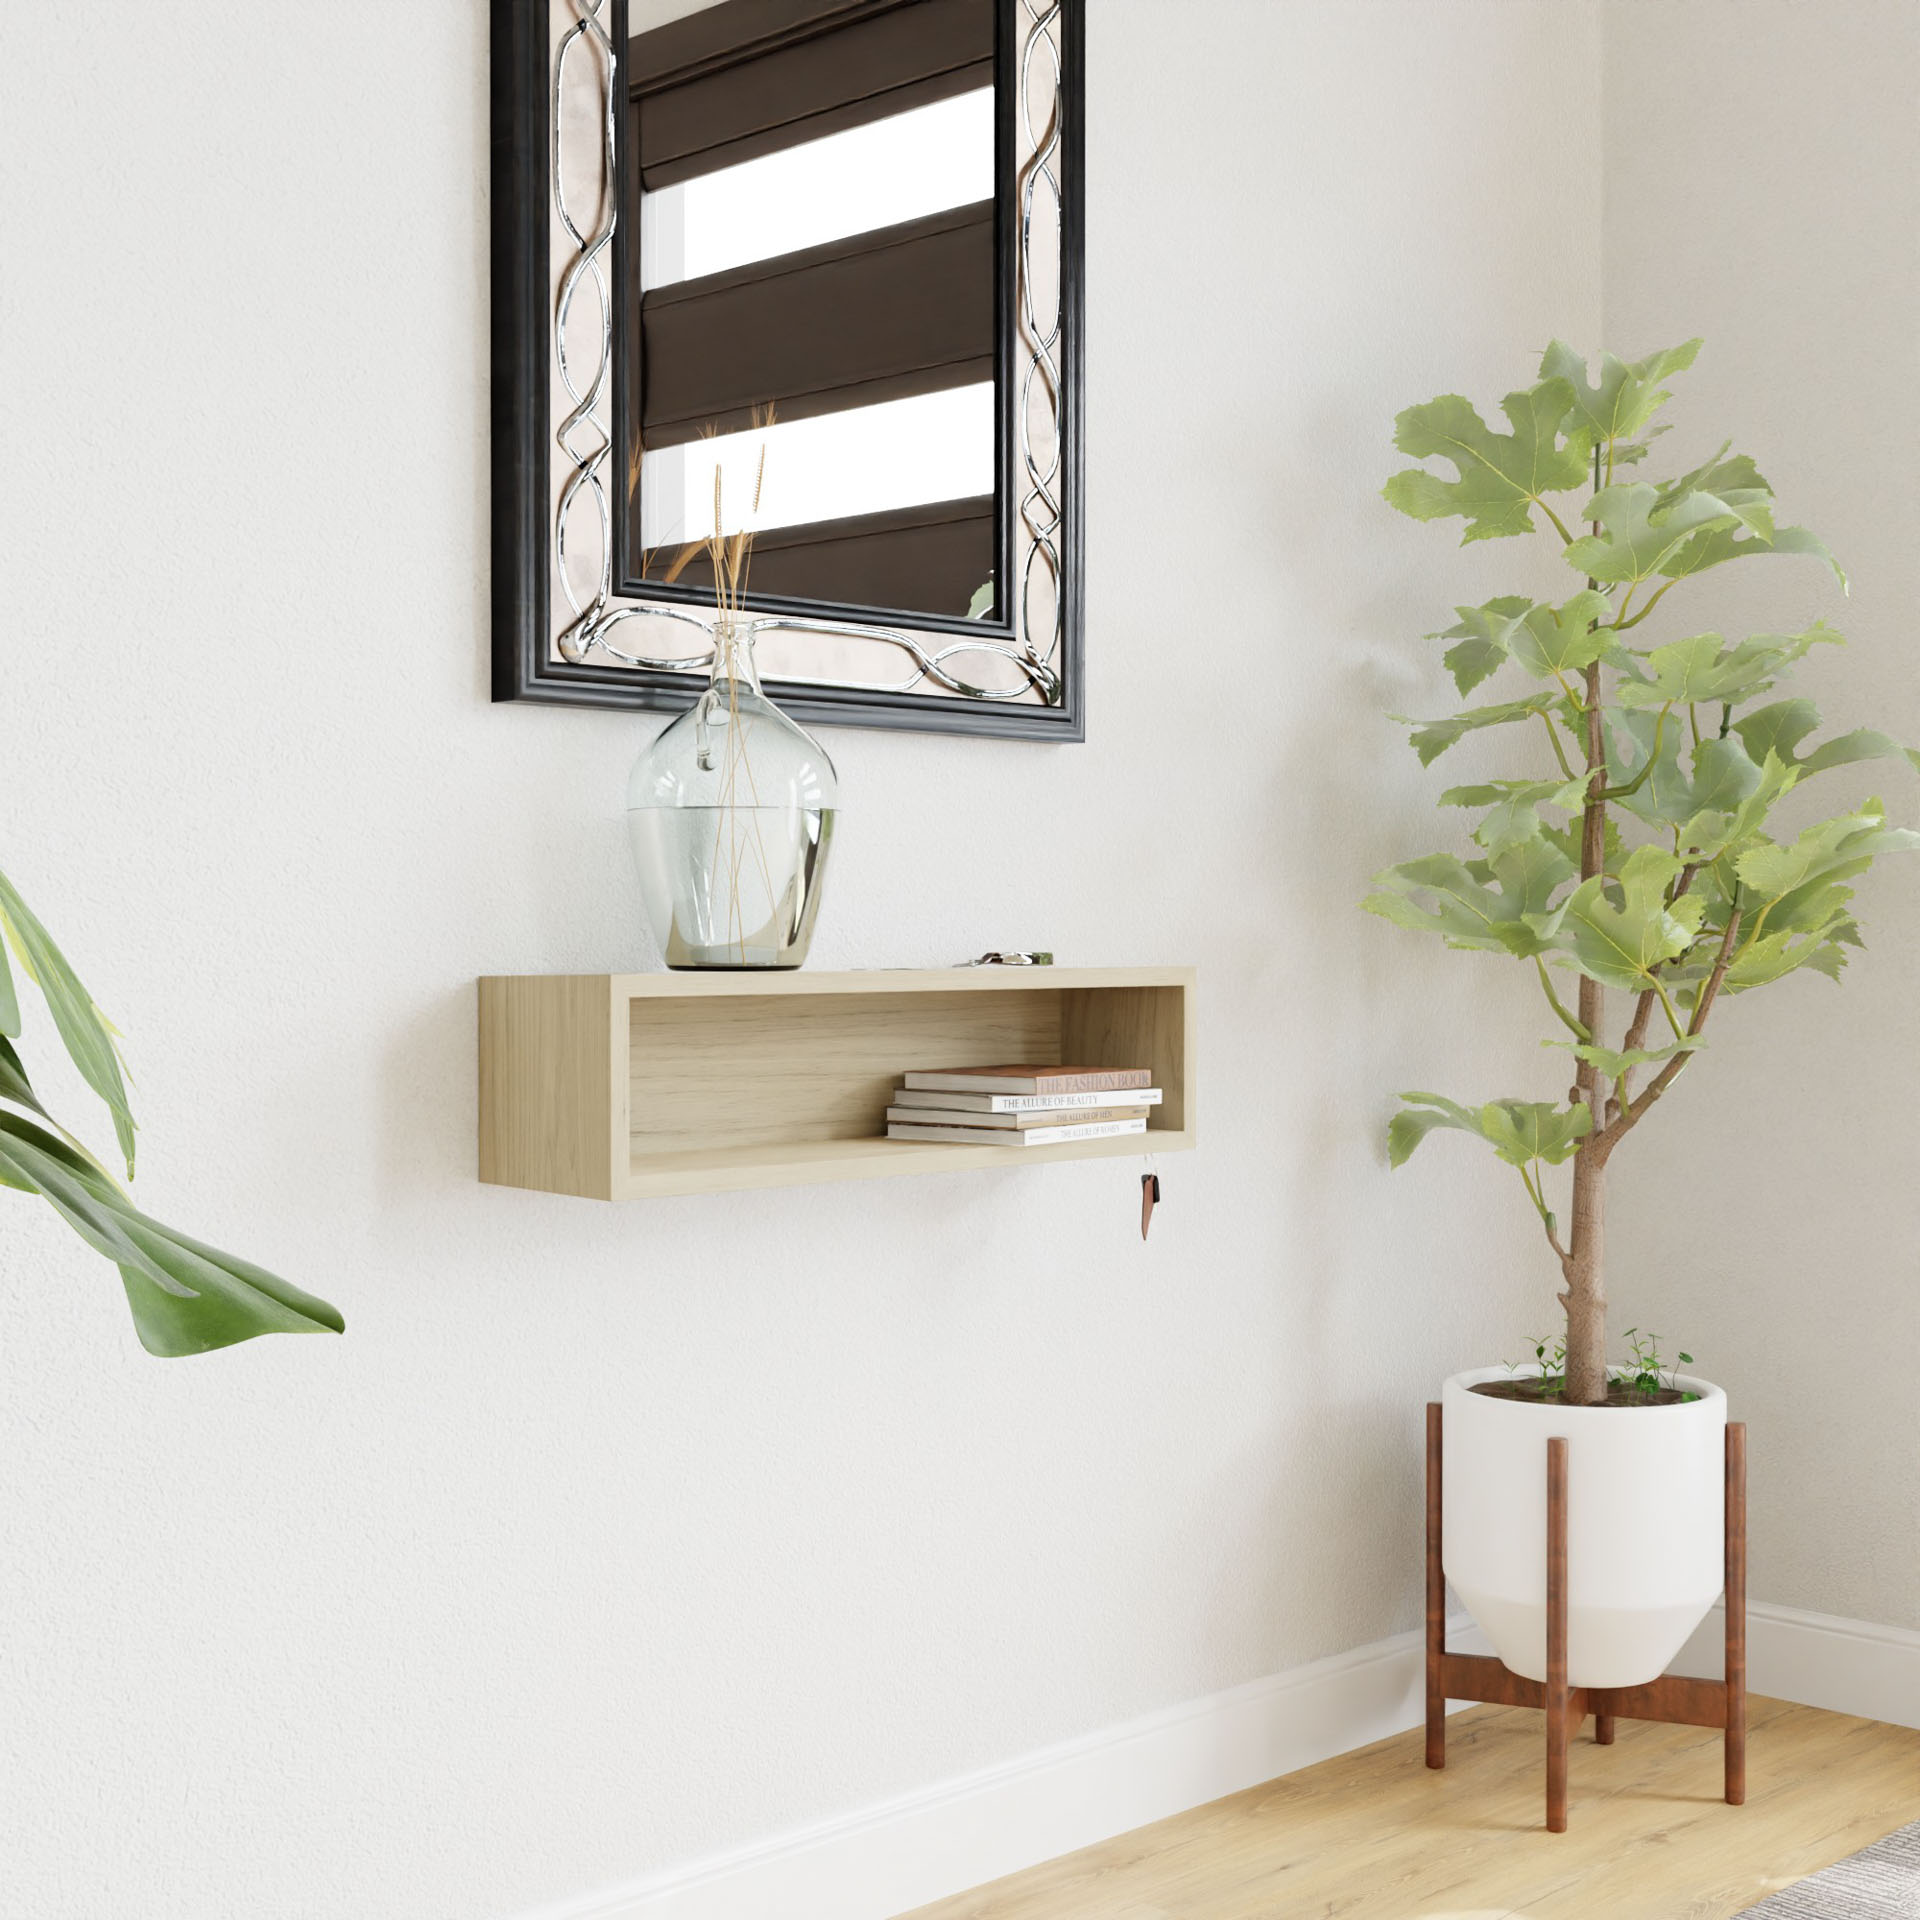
{"x":878,"y":175}
{"x":936,"y":446}
{"x":818,"y":237}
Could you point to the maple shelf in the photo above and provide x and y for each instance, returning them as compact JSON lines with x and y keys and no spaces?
{"x":627,"y":1085}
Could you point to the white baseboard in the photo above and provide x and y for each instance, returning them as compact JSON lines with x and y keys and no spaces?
{"x":887,"y":1859}
{"x":1818,"y":1660}
{"x":923,"y":1846}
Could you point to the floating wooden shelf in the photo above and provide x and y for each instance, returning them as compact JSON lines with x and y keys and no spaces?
{"x":618,"y":1086}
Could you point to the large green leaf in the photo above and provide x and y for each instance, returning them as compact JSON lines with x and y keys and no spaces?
{"x":9,"y":1000}
{"x":1627,"y":394}
{"x":1431,"y":738}
{"x":1513,"y":815}
{"x":1502,"y":476}
{"x":1640,"y":535}
{"x":1519,"y":1131}
{"x":1735,"y":482}
{"x":1775,"y":955}
{"x":186,"y":1296}
{"x":1781,"y":727}
{"x":1717,"y":545}
{"x":1496,"y":906}
{"x":1484,"y":634}
{"x":1704,"y":669}
{"x":82,"y":1027}
{"x":1523,"y":1130}
{"x":1552,"y":641}
{"x":1621,"y":945}
{"x":1828,"y":852}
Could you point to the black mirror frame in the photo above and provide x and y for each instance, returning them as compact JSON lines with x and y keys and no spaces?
{"x":526,"y":665}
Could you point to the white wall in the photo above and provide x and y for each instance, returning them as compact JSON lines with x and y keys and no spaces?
{"x":1763,"y":189}
{"x":608,"y":1537}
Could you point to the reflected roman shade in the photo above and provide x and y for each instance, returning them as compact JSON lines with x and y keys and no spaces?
{"x":891,"y":314}
{"x":748,"y":78}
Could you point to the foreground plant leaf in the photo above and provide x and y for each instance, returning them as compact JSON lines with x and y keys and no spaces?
{"x":186,"y":1296}
{"x":82,"y":1028}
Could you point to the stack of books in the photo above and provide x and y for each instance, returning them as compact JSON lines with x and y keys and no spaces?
{"x":1021,"y":1106}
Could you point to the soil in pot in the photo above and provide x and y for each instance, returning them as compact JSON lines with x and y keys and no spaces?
{"x":1618,"y":1395}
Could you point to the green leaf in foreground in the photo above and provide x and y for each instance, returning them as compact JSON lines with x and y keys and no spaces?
{"x":82,"y":1028}
{"x":9,"y":1000}
{"x":186,"y":1296}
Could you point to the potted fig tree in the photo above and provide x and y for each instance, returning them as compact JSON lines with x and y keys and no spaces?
{"x":1649,"y":855}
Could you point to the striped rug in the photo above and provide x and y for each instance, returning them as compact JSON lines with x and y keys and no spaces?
{"x":1880,"y":1883}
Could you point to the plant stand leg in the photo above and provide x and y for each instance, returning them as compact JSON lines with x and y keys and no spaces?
{"x":1557,"y":1703}
{"x":1736,"y":1670}
{"x":1603,"y":1726}
{"x":1436,"y":1601}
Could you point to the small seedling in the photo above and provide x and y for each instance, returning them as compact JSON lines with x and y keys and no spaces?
{"x":1649,"y":1375}
{"x":1645,"y":1378}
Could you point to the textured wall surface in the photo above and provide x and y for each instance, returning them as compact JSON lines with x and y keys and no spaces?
{"x":1773,"y":1224}
{"x":609,"y":1537}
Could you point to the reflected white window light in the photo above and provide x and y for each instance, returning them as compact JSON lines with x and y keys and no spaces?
{"x":901,"y":453}
{"x":918,"y":162}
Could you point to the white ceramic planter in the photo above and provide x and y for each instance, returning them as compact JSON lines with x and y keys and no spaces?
{"x":1646,"y":1525}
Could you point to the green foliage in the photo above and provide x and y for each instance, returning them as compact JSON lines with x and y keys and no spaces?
{"x":1502,"y":476}
{"x":1648,"y":1375}
{"x":1621,"y":945}
{"x":1695,"y":891}
{"x":1618,"y":405}
{"x":186,"y":1297}
{"x":1645,"y":1377}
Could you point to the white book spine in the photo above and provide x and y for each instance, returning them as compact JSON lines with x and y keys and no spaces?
{"x":1016,"y":1136}
{"x":1023,"y":1102}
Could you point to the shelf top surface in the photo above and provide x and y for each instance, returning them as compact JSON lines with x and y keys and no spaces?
{"x":881,"y":980}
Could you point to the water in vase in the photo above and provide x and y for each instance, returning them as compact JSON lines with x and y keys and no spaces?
{"x":730,"y":813}
{"x":731,"y":886}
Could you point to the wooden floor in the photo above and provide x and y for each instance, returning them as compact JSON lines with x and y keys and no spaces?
{"x":1374,"y":1835}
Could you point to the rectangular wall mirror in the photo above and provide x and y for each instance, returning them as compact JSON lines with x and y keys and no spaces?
{"x":810,"y":268}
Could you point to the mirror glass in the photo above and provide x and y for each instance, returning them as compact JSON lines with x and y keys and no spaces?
{"x":818,"y":292}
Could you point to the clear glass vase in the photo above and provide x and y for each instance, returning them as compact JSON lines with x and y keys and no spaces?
{"x":730,"y":813}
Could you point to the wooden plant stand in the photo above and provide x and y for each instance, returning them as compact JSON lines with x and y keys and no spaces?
{"x":1672,"y":1698}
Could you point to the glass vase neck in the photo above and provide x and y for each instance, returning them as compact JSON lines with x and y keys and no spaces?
{"x":733,"y":656}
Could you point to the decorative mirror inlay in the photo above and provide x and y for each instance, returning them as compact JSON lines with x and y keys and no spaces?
{"x":830,"y":248}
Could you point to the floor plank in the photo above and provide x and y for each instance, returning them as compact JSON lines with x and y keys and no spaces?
{"x":1374,"y":1835}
